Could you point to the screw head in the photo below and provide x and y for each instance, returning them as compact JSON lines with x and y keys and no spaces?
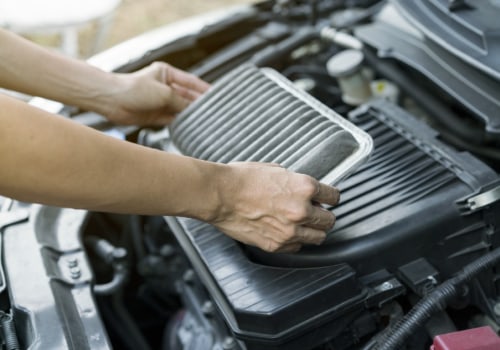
{"x":188,"y":276}
{"x":75,"y":272}
{"x":386,"y":286}
{"x":72,"y":262}
{"x":228,"y":343}
{"x":207,"y":308}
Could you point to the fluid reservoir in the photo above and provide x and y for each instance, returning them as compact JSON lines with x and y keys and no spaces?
{"x":346,"y":67}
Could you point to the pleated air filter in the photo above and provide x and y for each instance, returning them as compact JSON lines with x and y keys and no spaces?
{"x":254,"y":114}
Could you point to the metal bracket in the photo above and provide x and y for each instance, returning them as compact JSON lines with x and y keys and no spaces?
{"x":484,"y":199}
{"x":8,"y":218}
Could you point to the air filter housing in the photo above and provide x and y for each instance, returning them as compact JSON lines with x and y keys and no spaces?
{"x":255,"y":114}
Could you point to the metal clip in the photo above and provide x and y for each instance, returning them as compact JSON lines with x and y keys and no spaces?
{"x":483,"y":199}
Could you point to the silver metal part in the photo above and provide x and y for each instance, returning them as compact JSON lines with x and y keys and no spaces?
{"x":346,"y":66}
{"x":341,"y":38}
{"x":484,"y":199}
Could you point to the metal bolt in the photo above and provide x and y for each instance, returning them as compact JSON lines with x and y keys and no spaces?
{"x":75,"y":272}
{"x":433,"y":280}
{"x":207,"y":308}
{"x":386,"y":286}
{"x":167,"y":251}
{"x":228,"y":343}
{"x":72,"y":262}
{"x":188,"y":276}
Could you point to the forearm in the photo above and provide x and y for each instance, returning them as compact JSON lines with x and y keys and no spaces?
{"x":51,"y":160}
{"x":28,"y":68}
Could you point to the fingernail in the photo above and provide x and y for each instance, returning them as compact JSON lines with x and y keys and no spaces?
{"x":332,"y":224}
{"x":323,"y":238}
{"x":338,"y":194}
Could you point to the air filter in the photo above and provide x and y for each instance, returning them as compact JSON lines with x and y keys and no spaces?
{"x":254,"y":114}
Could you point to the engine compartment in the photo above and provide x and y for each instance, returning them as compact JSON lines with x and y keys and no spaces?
{"x":423,"y":207}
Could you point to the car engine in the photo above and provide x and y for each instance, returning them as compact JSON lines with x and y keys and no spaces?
{"x":412,"y":262}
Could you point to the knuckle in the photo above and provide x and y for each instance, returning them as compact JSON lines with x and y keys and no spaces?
{"x":309,"y":187}
{"x":271,"y":246}
{"x":289,"y":234}
{"x":315,"y":220}
{"x":319,"y":238}
{"x":298,"y":213}
{"x":159,"y":64}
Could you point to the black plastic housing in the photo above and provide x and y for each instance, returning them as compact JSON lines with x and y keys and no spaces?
{"x":473,"y":88}
{"x":401,"y":206}
{"x":468,"y":28}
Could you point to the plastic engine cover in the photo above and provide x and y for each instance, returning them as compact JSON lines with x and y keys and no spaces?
{"x":405,"y":203}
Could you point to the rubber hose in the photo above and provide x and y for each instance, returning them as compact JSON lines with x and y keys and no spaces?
{"x":120,"y":275}
{"x":275,"y":53}
{"x":113,"y":256}
{"x":392,"y":338}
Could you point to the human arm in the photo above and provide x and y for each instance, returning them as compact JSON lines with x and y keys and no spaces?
{"x":51,"y":160}
{"x":151,"y":96}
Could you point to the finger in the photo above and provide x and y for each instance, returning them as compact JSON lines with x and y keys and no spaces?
{"x":289,"y":248}
{"x":256,"y":164}
{"x":188,"y":94}
{"x":320,"y":219}
{"x":326,"y":194}
{"x":308,"y":235}
{"x":277,"y":165}
{"x":187,"y":80}
{"x":161,"y":121}
{"x":153,"y":71}
{"x":176,"y":103}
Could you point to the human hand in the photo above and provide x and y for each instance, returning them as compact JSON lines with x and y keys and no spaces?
{"x":274,"y":209}
{"x":153,"y":95}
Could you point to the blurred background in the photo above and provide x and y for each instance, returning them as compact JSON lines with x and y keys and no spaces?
{"x":130,"y":18}
{"x":137,"y":16}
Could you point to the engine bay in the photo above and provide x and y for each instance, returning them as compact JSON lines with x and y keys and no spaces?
{"x":414,"y":252}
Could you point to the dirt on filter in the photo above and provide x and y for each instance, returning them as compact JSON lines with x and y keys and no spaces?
{"x":134,"y":17}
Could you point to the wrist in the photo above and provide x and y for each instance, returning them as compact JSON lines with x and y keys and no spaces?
{"x":219,"y":182}
{"x":99,"y":93}
{"x":103,"y":98}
